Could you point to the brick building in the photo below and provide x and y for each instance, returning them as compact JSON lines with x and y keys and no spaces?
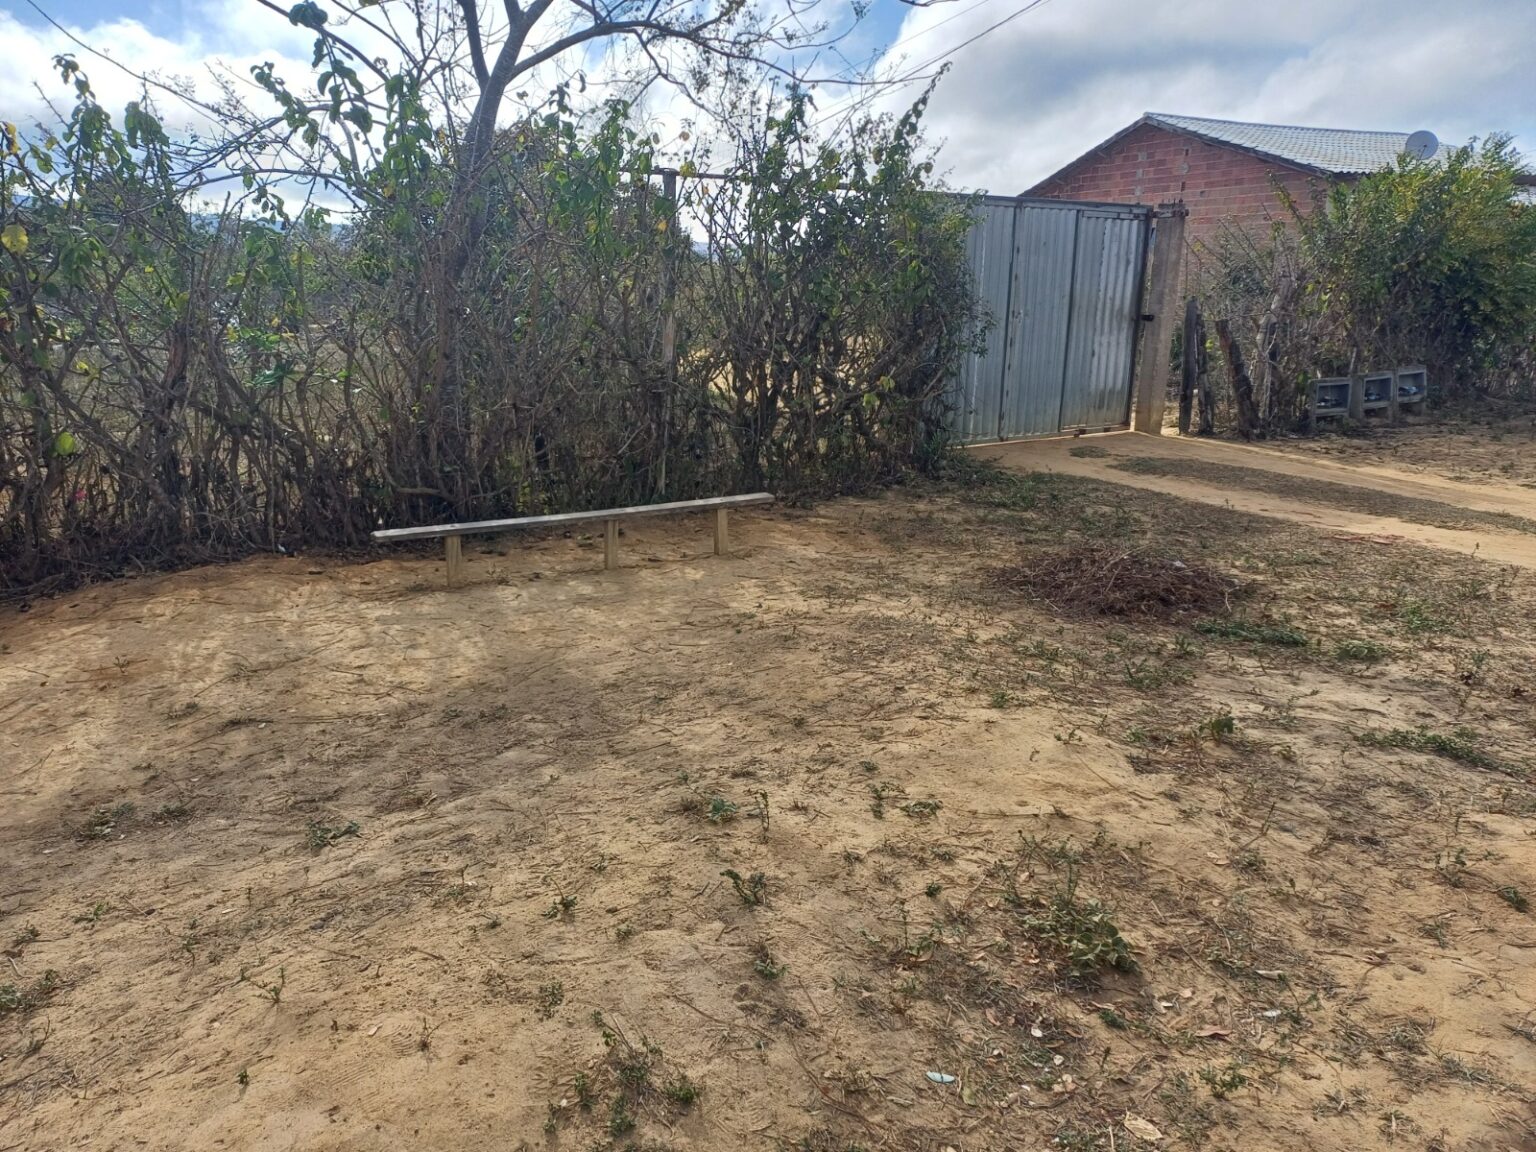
{"x":1225,"y":171}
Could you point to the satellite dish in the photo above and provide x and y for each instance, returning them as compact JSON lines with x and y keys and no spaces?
{"x":1422,"y":145}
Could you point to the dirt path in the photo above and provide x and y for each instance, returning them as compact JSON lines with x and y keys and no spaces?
{"x":1417,"y":497}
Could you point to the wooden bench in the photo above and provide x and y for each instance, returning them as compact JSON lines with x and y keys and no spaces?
{"x":451,"y":534}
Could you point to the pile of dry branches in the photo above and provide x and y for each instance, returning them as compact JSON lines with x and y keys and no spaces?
{"x":1115,"y":580}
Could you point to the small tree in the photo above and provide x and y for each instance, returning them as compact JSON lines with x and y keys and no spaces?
{"x":1430,"y":261}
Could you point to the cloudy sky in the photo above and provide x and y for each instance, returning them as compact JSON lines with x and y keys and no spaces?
{"x":1025,"y":97}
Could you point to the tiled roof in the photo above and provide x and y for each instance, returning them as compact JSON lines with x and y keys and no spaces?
{"x":1342,"y":151}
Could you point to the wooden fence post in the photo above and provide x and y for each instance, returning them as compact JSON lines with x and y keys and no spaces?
{"x":1151,"y":388}
{"x":722,"y":534}
{"x":668,"y":325}
{"x":1189,"y":366}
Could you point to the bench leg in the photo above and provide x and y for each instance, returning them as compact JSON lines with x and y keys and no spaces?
{"x":722,"y":534}
{"x":610,"y":544}
{"x":453,"y":549}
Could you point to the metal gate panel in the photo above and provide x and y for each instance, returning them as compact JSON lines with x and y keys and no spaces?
{"x":1061,"y":282}
{"x":1105,"y":312}
{"x":974,"y":391}
{"x":1038,"y":322}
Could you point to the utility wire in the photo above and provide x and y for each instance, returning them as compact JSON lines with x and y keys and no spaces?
{"x":915,"y":73}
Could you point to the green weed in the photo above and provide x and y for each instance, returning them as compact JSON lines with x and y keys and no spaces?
{"x":94,"y":914}
{"x":104,"y":822}
{"x":319,"y":836}
{"x":1080,"y":931}
{"x":1219,"y":727}
{"x":23,"y":999}
{"x":753,"y":891}
{"x":274,"y":992}
{"x":551,"y":996}
{"x":1253,"y":631}
{"x":765,"y":966}
{"x":1223,"y":1081}
{"x":1361,"y":651}
{"x":1513,"y":897}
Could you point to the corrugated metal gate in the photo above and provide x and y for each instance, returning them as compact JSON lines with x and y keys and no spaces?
{"x":1062,"y":281}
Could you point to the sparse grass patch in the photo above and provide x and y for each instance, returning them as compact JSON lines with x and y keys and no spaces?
{"x":174,"y":812}
{"x":1418,"y":618}
{"x":1460,"y":745}
{"x":1252,"y":631}
{"x":1361,"y":651}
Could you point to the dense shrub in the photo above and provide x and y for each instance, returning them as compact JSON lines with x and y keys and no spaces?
{"x":183,"y":382}
{"x":1430,"y":262}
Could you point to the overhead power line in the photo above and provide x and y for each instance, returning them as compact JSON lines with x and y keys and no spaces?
{"x":916,"y":73}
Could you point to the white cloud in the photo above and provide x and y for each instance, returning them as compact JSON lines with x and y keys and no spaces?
{"x":233,"y":41}
{"x":1018,"y":103}
{"x":1045,"y":88}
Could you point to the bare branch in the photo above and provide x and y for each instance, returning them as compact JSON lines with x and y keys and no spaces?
{"x":472,"y":32}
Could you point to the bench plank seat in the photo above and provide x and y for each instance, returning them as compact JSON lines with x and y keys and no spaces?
{"x":450,"y":534}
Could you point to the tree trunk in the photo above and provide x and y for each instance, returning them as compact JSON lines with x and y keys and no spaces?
{"x":1189,"y":367}
{"x":1242,"y":386}
{"x":1207,"y":403}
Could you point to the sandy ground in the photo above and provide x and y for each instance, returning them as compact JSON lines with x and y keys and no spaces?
{"x":1488,"y":442}
{"x":321,"y":855}
{"x":1233,"y":475}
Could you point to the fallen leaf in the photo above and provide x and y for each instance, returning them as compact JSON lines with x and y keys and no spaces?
{"x":1141,"y":1128}
{"x":992,"y":1019}
{"x":1211,"y":1032}
{"x":1186,"y":993}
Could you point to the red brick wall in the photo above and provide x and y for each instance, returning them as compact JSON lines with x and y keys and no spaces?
{"x":1152,"y":165}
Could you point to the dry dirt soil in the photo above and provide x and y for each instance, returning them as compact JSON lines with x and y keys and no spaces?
{"x":838,"y":843}
{"x":1491,"y":441}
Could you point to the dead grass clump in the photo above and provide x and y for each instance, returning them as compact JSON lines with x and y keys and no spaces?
{"x":1115,"y":580}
